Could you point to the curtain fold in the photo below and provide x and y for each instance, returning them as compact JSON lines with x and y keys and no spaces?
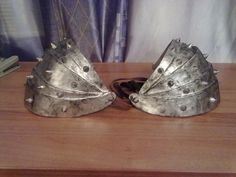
{"x":118,"y":30}
{"x":21,"y":28}
{"x":97,"y":26}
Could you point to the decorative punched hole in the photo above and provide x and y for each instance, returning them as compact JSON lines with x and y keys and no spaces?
{"x":63,"y":59}
{"x":171,"y":54}
{"x":170,"y":83}
{"x":74,"y":84}
{"x":135,"y":100}
{"x":172,"y":48}
{"x":183,"y":108}
{"x":185,"y":52}
{"x":59,"y":95}
{"x":186,"y":90}
{"x":160,"y":70}
{"x":178,"y":61}
{"x":162,"y":110}
{"x":86,"y":69}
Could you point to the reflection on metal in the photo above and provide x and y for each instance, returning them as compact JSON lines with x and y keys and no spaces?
{"x":65,"y":84}
{"x":182,"y":84}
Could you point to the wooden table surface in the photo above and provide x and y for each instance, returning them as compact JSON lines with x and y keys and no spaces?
{"x":116,"y":142}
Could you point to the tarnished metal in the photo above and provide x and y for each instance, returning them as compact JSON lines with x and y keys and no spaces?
{"x":183,"y":84}
{"x":65,"y":84}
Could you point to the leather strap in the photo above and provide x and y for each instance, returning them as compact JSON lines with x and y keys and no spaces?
{"x":123,"y":87}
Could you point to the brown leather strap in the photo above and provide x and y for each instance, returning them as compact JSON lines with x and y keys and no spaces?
{"x":123,"y":87}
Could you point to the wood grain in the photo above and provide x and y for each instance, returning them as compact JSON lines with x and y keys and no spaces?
{"x":116,"y":140}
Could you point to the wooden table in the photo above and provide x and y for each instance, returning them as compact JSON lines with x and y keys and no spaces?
{"x":116,"y":142}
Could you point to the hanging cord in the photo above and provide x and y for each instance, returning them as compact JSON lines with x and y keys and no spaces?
{"x":123,"y":87}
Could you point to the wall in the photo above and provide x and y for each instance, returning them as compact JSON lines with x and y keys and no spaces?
{"x":209,"y":24}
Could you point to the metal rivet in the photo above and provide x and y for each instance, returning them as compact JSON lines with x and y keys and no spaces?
{"x":30,"y":77}
{"x":183,"y":108}
{"x":178,"y":61}
{"x":178,"y":40}
{"x":39,"y":59}
{"x":195,"y":68}
{"x":212,"y":99}
{"x":160,"y":70}
{"x":186,"y":90}
{"x":86,"y":69}
{"x":162,"y":110}
{"x":170,"y":83}
{"x":63,"y":59}
{"x":29,"y":100}
{"x":59,"y":94}
{"x":74,"y":84}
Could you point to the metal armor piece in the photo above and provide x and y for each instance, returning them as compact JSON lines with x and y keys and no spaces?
{"x":183,"y":84}
{"x":65,"y":84}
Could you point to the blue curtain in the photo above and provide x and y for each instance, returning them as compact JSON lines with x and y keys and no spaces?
{"x":99,"y":27}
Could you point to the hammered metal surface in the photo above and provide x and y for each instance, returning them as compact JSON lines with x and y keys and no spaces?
{"x":65,"y":84}
{"x":183,"y":84}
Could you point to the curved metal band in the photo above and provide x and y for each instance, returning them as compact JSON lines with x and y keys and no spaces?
{"x":182,"y":84}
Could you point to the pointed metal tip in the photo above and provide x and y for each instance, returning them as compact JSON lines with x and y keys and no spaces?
{"x":215,"y":71}
{"x":212,"y":99}
{"x":53,"y":45}
{"x":205,"y":55}
{"x":64,"y":109}
{"x":41,"y":87}
{"x":49,"y":71}
{"x":29,"y":100}
{"x":204,"y":83}
{"x":68,"y":45}
{"x":39,"y":59}
{"x":30,"y":77}
{"x":178,"y":39}
{"x":190,"y":45}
